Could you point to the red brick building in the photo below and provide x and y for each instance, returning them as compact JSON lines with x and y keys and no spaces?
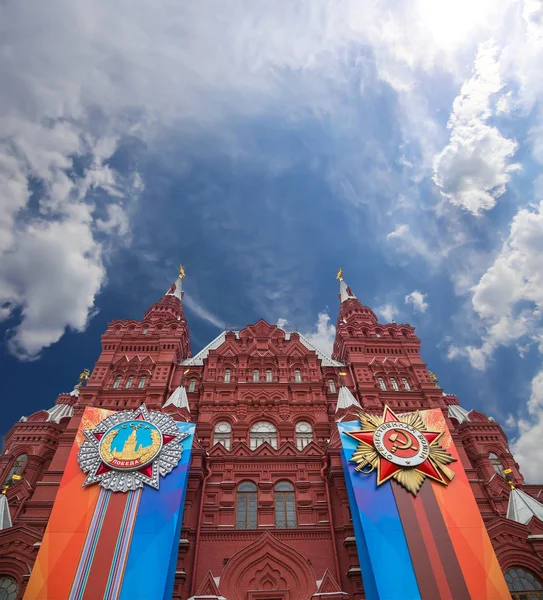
{"x":266,"y":509}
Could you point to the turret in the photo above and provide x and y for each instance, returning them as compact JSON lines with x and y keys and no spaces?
{"x":170,"y":306}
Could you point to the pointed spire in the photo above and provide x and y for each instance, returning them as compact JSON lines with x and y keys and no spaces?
{"x":346,"y":400}
{"x":170,"y":306}
{"x":178,"y":399}
{"x":177,"y":288}
{"x":347,"y":407}
{"x":351,"y":310}
{"x":522,"y":507}
{"x":5,"y":517}
{"x":345,"y":292}
{"x":459,"y":413}
{"x":60,"y":411}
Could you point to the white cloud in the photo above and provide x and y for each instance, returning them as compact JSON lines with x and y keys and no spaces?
{"x":401,"y":230}
{"x":74,"y":84}
{"x":508,"y":299}
{"x":527,"y":447}
{"x":323,"y":334}
{"x":417,"y":300}
{"x":387,"y":311}
{"x":53,"y":273}
{"x":532,"y":13}
{"x":202,"y":312}
{"x":282,"y":323}
{"x":473,"y":169}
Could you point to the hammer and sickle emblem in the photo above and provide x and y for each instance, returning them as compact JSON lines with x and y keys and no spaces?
{"x":402,"y":441}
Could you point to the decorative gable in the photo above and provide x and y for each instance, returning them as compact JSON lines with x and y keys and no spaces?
{"x":208,"y":588}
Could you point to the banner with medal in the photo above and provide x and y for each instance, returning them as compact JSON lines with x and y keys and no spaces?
{"x":114,"y":529}
{"x":419,"y":532}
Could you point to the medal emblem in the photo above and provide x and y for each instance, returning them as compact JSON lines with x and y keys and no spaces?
{"x":129,"y":449}
{"x":402,"y":448}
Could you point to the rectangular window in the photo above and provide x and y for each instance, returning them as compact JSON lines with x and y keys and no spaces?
{"x":141,"y":382}
{"x":285,"y":510}
{"x":246,"y":511}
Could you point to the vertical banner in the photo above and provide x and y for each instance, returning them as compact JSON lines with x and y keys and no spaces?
{"x":418,"y":529}
{"x":113,"y":533}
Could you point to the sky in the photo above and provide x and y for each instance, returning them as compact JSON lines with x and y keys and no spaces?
{"x":264,"y":145}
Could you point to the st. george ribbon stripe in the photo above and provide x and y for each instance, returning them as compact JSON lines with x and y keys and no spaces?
{"x":113,"y":587}
{"x":431,"y":549}
{"x":415,"y":540}
{"x":93,"y":533}
{"x":103,"y":552}
{"x":449,"y":559}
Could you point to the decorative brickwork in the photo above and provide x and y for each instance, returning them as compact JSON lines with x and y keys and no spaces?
{"x":267,"y":514}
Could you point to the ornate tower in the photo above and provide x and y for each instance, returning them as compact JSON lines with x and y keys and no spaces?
{"x":139,"y":358}
{"x":136,"y":365}
{"x":384,"y":362}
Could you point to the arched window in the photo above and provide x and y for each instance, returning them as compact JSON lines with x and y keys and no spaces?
{"x":269,"y":375}
{"x":263,"y":432}
{"x":406,"y":384}
{"x":332,"y":386}
{"x":117,"y":382}
{"x":297,"y":376}
{"x":246,"y":506}
{"x":227,"y":375}
{"x":285,"y":506}
{"x":129,"y":382}
{"x":304,"y":434}
{"x":17,"y":468}
{"x":496,"y":463}
{"x":145,"y":330}
{"x":222,"y":434}
{"x":523,"y":585}
{"x":256,"y":375}
{"x":192,"y":385}
{"x":382,"y":384}
{"x":141,"y":382}
{"x":394,"y":384}
{"x":9,"y":588}
{"x":377,"y":334}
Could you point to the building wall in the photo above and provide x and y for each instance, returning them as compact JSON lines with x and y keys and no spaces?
{"x":215,"y":554}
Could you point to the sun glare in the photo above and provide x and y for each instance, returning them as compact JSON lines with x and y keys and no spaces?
{"x":452,"y":22}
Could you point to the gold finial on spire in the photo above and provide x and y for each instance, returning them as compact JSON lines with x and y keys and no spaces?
{"x":340,"y":274}
{"x":181,"y":272}
{"x":507,"y":473}
{"x":84,"y":376}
